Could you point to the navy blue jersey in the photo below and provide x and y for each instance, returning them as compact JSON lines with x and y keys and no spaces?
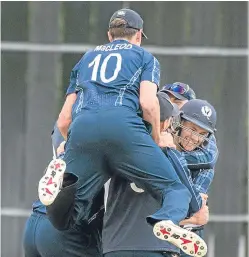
{"x":125,"y":226}
{"x":110,"y":75}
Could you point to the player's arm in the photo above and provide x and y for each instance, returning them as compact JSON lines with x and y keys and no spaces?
{"x":150,"y":107}
{"x":150,"y":78}
{"x":198,"y":187}
{"x":65,"y":116}
{"x":203,"y":180}
{"x":199,"y":218}
{"x":180,"y":165}
{"x":203,"y":158}
{"x":202,"y":183}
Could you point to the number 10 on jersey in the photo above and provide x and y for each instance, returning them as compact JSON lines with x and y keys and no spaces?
{"x":104,"y":66}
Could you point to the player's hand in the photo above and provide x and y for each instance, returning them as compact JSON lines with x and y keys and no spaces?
{"x":61,"y":148}
{"x":166,"y":140}
{"x":202,"y":216}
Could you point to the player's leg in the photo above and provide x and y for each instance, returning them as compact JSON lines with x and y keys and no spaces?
{"x":29,"y":245}
{"x":130,"y":151}
{"x":76,"y":242}
{"x":85,"y":161}
{"x":74,"y":202}
{"x":133,"y":154}
{"x":167,"y":189}
{"x":150,"y":170}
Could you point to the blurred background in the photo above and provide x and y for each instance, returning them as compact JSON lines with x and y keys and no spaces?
{"x":203,"y":44}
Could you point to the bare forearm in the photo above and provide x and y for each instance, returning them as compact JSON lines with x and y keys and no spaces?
{"x":151,"y":114}
{"x":65,"y":116}
{"x":63,"y":126}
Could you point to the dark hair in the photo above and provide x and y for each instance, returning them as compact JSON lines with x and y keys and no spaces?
{"x":118,"y":30}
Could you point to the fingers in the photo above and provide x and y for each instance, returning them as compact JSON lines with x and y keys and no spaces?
{"x":166,"y":140}
{"x":61,"y":148}
{"x":202,"y":216}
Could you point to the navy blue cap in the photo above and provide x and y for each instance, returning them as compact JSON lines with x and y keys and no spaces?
{"x":132,"y":18}
{"x":167,"y":109}
{"x":180,"y":90}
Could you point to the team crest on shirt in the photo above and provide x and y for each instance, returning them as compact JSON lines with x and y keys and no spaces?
{"x":206,"y":111}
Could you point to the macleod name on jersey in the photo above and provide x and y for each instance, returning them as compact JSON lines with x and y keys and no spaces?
{"x":113,"y":47}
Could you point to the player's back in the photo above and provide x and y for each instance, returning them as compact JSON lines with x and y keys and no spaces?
{"x":110,"y":75}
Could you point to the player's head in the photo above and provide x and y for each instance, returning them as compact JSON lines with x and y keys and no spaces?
{"x":126,"y":24}
{"x":179,"y":93}
{"x":196,"y":123}
{"x":167,"y":110}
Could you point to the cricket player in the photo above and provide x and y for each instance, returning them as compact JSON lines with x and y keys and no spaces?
{"x":42,"y":239}
{"x":194,"y":131}
{"x":202,"y":157}
{"x":108,"y":137}
{"x":127,"y":206}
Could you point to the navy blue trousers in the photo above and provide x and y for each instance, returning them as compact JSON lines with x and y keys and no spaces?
{"x":116,"y":141}
{"x":41,"y":239}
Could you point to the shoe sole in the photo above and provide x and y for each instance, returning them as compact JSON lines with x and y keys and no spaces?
{"x":50,"y":184}
{"x":189,"y":242}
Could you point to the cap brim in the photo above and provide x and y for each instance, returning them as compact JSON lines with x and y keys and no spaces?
{"x":144,"y":36}
{"x":176,"y":95}
{"x":197,"y":122}
{"x":176,"y":110}
{"x":167,"y":108}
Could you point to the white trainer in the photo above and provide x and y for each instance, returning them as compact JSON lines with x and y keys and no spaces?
{"x":50,"y":184}
{"x":187,"y":241}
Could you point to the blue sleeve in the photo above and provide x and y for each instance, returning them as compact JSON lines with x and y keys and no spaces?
{"x":180,"y":165}
{"x":73,"y":79}
{"x":203,"y":158}
{"x":151,"y":69}
{"x":203,"y":180}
